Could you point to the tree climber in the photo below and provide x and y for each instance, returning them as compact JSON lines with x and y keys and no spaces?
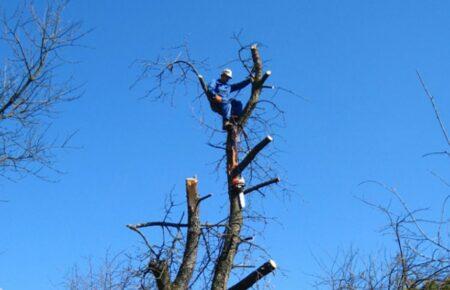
{"x":220,"y":101}
{"x":230,"y":109}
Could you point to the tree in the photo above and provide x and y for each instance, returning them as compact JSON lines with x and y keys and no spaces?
{"x":421,"y":259}
{"x":32,"y":86}
{"x":192,"y":252}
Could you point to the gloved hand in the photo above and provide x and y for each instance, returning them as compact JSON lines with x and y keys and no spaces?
{"x":217,"y":98}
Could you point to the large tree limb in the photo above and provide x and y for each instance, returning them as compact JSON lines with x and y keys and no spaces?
{"x":231,"y":242}
{"x":257,"y":61}
{"x":191,"y":248}
{"x":171,"y":225}
{"x":231,"y":236}
{"x":251,"y":155}
{"x":257,"y":85}
{"x":255,"y":276}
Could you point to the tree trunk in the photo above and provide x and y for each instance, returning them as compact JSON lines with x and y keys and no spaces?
{"x":232,"y":233}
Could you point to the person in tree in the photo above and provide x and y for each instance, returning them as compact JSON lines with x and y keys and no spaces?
{"x":219,"y":97}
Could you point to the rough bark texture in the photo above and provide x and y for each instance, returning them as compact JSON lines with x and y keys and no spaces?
{"x":160,"y":268}
{"x":190,"y":251}
{"x":232,"y":232}
{"x":257,"y":85}
{"x":160,"y":271}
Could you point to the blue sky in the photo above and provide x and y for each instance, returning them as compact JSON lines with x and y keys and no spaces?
{"x":367,"y":119}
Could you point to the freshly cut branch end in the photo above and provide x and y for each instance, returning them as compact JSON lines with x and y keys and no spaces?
{"x":191,"y":180}
{"x":265,"y":77}
{"x":251,"y":155}
{"x":255,"y":276}
{"x":187,"y":266}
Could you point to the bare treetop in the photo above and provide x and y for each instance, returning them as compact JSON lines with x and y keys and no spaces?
{"x":32,"y":86}
{"x":192,"y":252}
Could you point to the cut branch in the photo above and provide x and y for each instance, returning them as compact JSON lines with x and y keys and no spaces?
{"x":251,"y":155}
{"x":257,"y":85}
{"x":191,"y":248}
{"x":265,"y":77}
{"x":255,"y":276}
{"x":261,"y":185}
{"x":257,"y":62}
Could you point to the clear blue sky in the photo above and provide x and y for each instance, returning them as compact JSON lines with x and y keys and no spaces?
{"x":367,"y":119}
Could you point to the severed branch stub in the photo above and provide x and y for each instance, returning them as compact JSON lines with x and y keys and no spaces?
{"x":261,"y":185}
{"x":251,"y":155}
{"x":191,"y":248}
{"x":159,"y":267}
{"x":255,"y":276}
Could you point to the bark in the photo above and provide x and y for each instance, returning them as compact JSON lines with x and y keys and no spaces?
{"x":255,"y":276}
{"x":160,"y":268}
{"x":231,"y":237}
{"x":190,"y":251}
{"x":250,"y":156}
{"x":257,"y":85}
{"x":230,"y":246}
{"x":160,"y":271}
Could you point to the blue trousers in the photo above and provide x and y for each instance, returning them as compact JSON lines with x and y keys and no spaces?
{"x":228,"y":108}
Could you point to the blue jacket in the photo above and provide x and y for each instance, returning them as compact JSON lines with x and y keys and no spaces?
{"x":216,"y":87}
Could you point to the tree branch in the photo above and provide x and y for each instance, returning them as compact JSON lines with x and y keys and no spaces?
{"x":251,"y":155}
{"x":257,"y":85}
{"x":436,"y":111}
{"x":255,"y":276}
{"x":262,"y":184}
{"x":194,"y":70}
{"x":158,"y":224}
{"x":160,"y":271}
{"x":191,"y":248}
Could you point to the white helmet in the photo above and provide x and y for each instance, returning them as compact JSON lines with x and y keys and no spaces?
{"x":228,"y":73}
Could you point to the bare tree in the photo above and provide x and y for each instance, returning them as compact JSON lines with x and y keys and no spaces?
{"x":421,"y":259}
{"x":32,"y":86}
{"x":191,"y":252}
{"x":112,"y":272}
